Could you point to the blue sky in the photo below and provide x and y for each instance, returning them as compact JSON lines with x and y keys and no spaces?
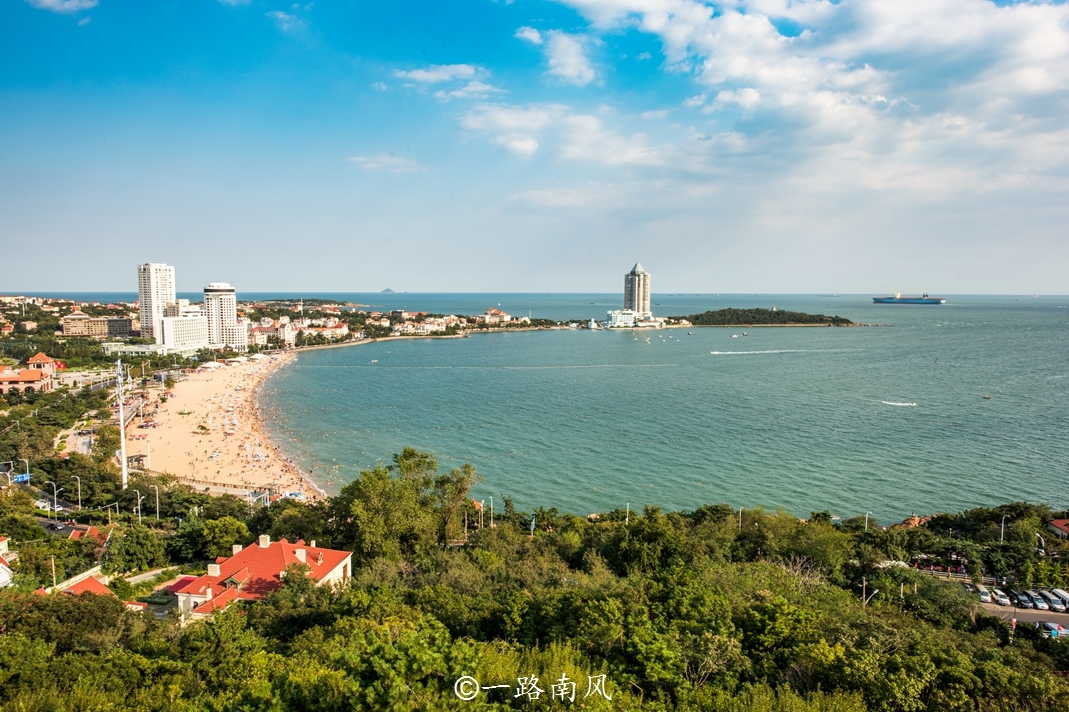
{"x":756,"y":145}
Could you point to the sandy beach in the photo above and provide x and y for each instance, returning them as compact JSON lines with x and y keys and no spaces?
{"x":210,"y":433}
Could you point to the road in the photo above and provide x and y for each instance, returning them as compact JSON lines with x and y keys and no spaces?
{"x":1025,"y":615}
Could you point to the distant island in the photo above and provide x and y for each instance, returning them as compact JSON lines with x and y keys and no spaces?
{"x":761,"y":317}
{"x":387,"y":291}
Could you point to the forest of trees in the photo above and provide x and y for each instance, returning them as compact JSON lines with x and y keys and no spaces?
{"x":756,"y":317}
{"x":701,"y":610}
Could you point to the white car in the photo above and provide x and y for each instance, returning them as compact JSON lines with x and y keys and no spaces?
{"x":43,"y":504}
{"x":999,"y":597}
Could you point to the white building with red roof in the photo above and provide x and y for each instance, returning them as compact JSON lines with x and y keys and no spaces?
{"x":255,"y":571}
{"x":1060,"y":527}
{"x":7,"y":574}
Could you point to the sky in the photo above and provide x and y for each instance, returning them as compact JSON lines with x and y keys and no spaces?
{"x":790,"y":146}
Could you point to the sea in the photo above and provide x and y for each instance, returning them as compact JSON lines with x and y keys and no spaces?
{"x":891,"y":420}
{"x":887,"y":420}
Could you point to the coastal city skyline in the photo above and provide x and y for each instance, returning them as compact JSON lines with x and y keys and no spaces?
{"x":753,"y":147}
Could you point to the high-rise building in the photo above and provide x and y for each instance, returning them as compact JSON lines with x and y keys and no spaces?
{"x":637,"y":291}
{"x":221,"y":308}
{"x":155,"y":290}
{"x":183,"y":328}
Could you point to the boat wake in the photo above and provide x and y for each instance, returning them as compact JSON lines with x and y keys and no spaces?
{"x":903,"y":405}
{"x":778,"y":351}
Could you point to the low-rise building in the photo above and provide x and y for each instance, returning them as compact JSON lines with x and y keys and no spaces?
{"x":1059,"y":527}
{"x":37,"y":377}
{"x":78,"y":323}
{"x":494,"y":316}
{"x":257,"y":570}
{"x":7,"y":573}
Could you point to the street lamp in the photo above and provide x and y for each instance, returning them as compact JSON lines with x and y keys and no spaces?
{"x":22,"y":459}
{"x":867,"y":520}
{"x":740,"y":518}
{"x":1002,"y":536}
{"x":157,"y":501}
{"x":864,"y":587}
{"x":79,"y":491}
{"x":55,"y":498}
{"x":139,"y":498}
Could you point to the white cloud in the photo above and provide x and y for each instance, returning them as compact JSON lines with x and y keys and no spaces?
{"x":63,"y":6}
{"x":864,"y":89}
{"x":747,"y":97}
{"x":530,"y":34}
{"x":386,"y":162}
{"x":285,"y":21}
{"x":380,"y":86}
{"x":472,"y":90}
{"x":659,"y":114}
{"x":438,"y":73}
{"x":521,"y":144}
{"x":567,"y":59}
{"x":84,"y":21}
{"x":234,"y":3}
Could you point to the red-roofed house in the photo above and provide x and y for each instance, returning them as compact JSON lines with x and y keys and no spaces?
{"x":6,"y":572}
{"x":79,"y":533}
{"x":181,"y":583}
{"x":41,"y":362}
{"x":25,"y":380}
{"x":253,"y":572}
{"x":88,"y":585}
{"x":1060,"y":527}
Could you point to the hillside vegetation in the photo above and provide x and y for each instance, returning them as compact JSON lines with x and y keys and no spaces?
{"x":699,"y":610}
{"x":761,"y":317}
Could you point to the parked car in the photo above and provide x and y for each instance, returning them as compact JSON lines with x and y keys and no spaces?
{"x":1051,"y":629}
{"x":999,"y":597}
{"x":985,"y":595}
{"x":1064,"y":595}
{"x":1021,"y":600}
{"x":1053,"y":601}
{"x":43,"y":504}
{"x":1038,"y":601}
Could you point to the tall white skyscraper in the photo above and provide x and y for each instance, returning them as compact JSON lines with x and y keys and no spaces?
{"x":221,"y":308}
{"x":155,"y":290}
{"x":637,"y":291}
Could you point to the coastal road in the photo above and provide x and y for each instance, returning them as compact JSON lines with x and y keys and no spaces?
{"x":1026,"y":615}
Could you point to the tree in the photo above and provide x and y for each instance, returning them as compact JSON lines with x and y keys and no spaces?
{"x":137,"y":548}
{"x":221,"y":534}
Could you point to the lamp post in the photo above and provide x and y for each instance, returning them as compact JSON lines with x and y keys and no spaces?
{"x":22,"y":459}
{"x":867,"y":520}
{"x":740,"y":518}
{"x":55,"y":498}
{"x":864,"y":586}
{"x":139,"y":498}
{"x":1002,"y":536}
{"x":122,"y":423}
{"x":491,"y":512}
{"x":157,"y":501}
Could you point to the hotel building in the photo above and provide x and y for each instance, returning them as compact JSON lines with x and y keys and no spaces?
{"x":221,"y":309}
{"x":155,"y":290}
{"x":637,"y":291}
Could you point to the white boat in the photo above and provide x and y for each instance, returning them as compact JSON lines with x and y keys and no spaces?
{"x":734,"y":336}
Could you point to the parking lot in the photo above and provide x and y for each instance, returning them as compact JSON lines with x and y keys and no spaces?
{"x":1025,"y":615}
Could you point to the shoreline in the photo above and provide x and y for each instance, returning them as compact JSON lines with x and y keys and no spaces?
{"x":212,"y":434}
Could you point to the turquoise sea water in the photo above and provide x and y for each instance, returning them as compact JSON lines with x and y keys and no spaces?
{"x":800,"y":418}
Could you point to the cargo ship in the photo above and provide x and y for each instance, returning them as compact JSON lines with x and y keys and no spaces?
{"x":899,"y":299}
